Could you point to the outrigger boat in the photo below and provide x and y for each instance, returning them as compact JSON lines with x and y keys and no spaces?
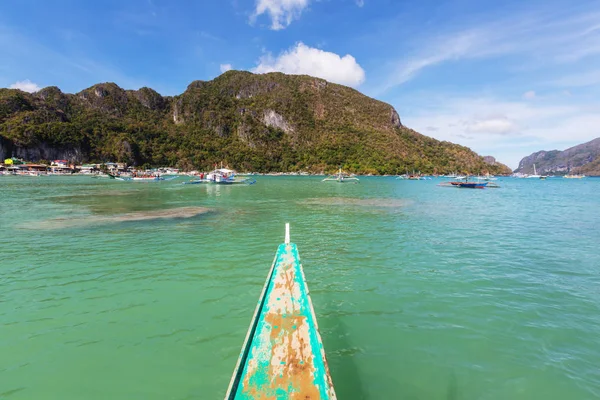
{"x":221,"y":176}
{"x":151,"y":178}
{"x":469,"y":185}
{"x":144,"y":178}
{"x":283,"y":356}
{"x":412,"y":177}
{"x":487,"y":177}
{"x":341,"y":177}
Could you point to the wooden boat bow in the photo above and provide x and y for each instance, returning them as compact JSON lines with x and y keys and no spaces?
{"x":283,"y":356}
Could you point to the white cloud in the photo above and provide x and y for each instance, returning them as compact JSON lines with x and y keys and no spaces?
{"x":452,"y":48}
{"x":498,"y":125}
{"x":360,"y":3}
{"x":507,"y":130}
{"x":536,"y":40}
{"x":304,"y":60}
{"x":554,"y":50}
{"x":225,"y":67}
{"x":282,"y":12}
{"x":26,"y":86}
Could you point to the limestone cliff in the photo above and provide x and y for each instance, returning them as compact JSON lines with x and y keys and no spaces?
{"x":575,"y":159}
{"x":268,"y":122}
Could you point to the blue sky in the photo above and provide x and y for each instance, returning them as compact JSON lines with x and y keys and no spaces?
{"x":505,"y":78}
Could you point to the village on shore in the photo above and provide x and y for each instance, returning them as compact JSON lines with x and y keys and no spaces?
{"x":16,"y":166}
{"x":20,"y":167}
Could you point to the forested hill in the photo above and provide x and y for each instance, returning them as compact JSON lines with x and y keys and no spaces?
{"x":269,"y":122}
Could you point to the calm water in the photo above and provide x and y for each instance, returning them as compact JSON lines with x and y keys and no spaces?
{"x":421,"y":292}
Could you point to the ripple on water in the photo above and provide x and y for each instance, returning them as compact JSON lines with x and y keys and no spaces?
{"x":357,"y":202}
{"x":420,"y":292}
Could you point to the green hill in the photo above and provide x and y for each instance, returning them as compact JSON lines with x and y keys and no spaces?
{"x":270,"y":122}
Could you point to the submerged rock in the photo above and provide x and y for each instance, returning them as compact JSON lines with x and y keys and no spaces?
{"x":67,"y":222}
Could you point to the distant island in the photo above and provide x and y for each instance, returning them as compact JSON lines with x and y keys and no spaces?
{"x":580,"y":159}
{"x":251,"y":122}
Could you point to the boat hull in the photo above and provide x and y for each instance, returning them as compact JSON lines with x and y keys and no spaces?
{"x":470,"y":185}
{"x":211,"y":182}
{"x":283,"y":355}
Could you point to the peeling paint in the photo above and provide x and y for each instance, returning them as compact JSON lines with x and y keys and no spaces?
{"x":283,"y":357}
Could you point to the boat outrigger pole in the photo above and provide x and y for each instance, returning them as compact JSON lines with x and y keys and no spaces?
{"x":283,"y":356}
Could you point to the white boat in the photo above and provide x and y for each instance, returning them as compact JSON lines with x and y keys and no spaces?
{"x":144,"y":178}
{"x":413,"y":177}
{"x":574,"y":176}
{"x":487,"y":177}
{"x":221,"y":176}
{"x":341,"y":177}
{"x":535,"y":174}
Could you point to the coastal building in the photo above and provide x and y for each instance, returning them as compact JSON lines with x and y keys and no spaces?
{"x":60,"y":163}
{"x":61,"y":167}
{"x":88,"y":168}
{"x":115,"y":168}
{"x":33,"y":167}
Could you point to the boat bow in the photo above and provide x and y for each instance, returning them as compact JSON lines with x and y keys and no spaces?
{"x":283,"y":356}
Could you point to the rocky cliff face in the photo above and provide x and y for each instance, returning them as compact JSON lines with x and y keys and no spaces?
{"x":252,"y":122}
{"x":494,"y":163}
{"x":5,"y":149}
{"x":561,"y":162}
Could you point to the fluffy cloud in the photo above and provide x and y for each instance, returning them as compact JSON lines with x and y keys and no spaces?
{"x":281,"y":12}
{"x":529,"y":95}
{"x":26,"y":86}
{"x":360,"y":3}
{"x":498,"y":125}
{"x":508,"y":130}
{"x":305,"y":60}
{"x":225,"y":67}
{"x":557,"y":38}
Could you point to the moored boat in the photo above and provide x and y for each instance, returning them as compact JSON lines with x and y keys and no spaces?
{"x":143,"y":178}
{"x":146,"y":178}
{"x":536,"y":175}
{"x":487,"y":177}
{"x":470,"y":185}
{"x":413,"y":177}
{"x":221,"y":176}
{"x":282,"y":356}
{"x":341,"y":177}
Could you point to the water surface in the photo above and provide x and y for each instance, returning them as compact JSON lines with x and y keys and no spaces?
{"x":120,"y":290}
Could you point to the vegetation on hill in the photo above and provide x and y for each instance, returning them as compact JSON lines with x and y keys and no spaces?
{"x":590,"y":169}
{"x":270,"y":122}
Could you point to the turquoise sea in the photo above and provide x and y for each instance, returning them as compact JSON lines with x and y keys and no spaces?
{"x":119,"y":290}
